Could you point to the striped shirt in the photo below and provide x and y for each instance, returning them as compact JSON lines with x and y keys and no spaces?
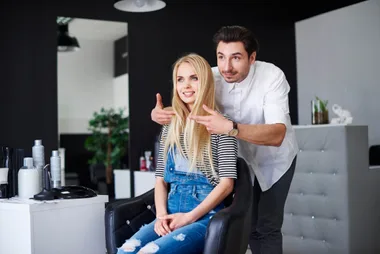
{"x":224,"y":156}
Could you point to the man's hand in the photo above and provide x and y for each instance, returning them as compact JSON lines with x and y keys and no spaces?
{"x":159,"y":114}
{"x":161,"y":227}
{"x":178,"y":220}
{"x":215,"y":123}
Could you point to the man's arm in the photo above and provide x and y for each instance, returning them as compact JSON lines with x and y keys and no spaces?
{"x":276,"y":111}
{"x":262,"y":134}
{"x":259,"y":134}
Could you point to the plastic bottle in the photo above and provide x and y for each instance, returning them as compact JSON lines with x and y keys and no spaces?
{"x":143,"y":164}
{"x":38,"y":153}
{"x":147,"y":157}
{"x":28,"y":180}
{"x":8,"y":163}
{"x":55,"y":169}
{"x":151,"y":164}
{"x":3,"y":183}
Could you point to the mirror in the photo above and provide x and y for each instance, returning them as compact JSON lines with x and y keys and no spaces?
{"x":92,"y":62}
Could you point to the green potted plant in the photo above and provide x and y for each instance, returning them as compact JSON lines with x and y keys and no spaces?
{"x":320,"y":113}
{"x":109,"y":140}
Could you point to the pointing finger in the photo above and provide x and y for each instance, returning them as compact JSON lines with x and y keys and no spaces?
{"x":210,"y":111}
{"x":159,"y":101}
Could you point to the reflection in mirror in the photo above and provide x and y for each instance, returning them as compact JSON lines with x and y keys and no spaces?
{"x":65,"y":42}
{"x":92,"y":87}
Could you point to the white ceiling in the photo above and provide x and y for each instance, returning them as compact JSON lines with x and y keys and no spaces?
{"x":91,"y":29}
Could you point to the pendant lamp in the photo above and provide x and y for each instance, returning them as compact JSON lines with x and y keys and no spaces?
{"x":66,"y":42}
{"x":139,"y":5}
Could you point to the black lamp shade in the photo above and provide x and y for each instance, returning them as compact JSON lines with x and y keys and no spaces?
{"x":65,"y":42}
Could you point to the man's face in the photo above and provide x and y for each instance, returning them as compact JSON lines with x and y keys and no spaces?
{"x":233,"y":61}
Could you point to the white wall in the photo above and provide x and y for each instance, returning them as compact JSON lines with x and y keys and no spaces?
{"x":121,"y":93}
{"x":338,"y":57}
{"x":86,"y":84}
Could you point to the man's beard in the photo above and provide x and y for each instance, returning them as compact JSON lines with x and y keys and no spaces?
{"x":230,"y":79}
{"x":229,"y":74}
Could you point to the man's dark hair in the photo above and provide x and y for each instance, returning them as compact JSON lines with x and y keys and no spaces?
{"x":237,"y":34}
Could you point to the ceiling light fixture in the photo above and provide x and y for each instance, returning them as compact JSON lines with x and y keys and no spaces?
{"x":139,"y":5}
{"x":65,"y":42}
{"x":63,"y":20}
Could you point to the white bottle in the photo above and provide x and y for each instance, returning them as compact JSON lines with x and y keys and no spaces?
{"x":28,"y":180}
{"x":55,"y":169}
{"x":147,"y":158}
{"x":62,"y":156}
{"x":38,"y":153}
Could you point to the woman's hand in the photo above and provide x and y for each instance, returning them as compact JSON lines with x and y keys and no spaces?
{"x":161,"y":227}
{"x":178,"y":220}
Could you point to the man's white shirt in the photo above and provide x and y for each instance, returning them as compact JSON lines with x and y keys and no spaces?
{"x":261,"y":98}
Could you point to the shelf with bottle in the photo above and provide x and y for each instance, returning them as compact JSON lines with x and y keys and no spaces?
{"x":147,"y":162}
{"x":28,"y":177}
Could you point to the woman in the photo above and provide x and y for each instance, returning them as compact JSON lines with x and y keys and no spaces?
{"x":200,"y":168}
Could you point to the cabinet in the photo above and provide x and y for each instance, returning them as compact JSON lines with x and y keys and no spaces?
{"x":121,"y":56}
{"x":56,"y":226}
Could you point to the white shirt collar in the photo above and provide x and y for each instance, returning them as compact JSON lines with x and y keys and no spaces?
{"x":245,"y":82}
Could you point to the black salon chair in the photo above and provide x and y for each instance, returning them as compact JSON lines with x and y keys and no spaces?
{"x":227,"y":232}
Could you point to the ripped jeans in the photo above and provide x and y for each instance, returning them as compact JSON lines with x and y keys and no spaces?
{"x":187,"y":191}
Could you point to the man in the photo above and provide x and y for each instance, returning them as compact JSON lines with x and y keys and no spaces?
{"x":255,"y":95}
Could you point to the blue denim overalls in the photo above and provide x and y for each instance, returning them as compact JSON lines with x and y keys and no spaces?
{"x":187,"y":191}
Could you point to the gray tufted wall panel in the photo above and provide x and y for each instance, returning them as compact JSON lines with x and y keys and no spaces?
{"x":333,"y":203}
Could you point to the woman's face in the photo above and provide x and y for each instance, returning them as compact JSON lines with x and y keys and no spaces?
{"x":187,"y":84}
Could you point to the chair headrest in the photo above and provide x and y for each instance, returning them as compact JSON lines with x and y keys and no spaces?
{"x":243,"y":184}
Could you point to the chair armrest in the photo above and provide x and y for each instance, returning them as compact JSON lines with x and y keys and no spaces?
{"x":222,"y":236}
{"x":229,"y":229}
{"x":124,"y":217}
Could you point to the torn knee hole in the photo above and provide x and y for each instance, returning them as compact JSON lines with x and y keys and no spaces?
{"x":130,"y":245}
{"x":180,"y":237}
{"x":149,"y":248}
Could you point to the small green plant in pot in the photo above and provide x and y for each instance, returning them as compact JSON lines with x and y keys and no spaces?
{"x":109,"y":139}
{"x":320,"y":113}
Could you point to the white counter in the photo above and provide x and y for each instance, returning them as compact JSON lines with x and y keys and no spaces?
{"x":144,"y":181}
{"x":58,"y":226}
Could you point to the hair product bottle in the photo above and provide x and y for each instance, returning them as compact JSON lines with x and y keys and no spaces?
{"x":55,"y":169}
{"x":3,"y":183}
{"x":28,"y":179}
{"x":38,"y":153}
{"x":143,"y":164}
{"x":8,"y":163}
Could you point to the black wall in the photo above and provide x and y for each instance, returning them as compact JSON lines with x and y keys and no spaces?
{"x":28,"y":73}
{"x":157,"y":41}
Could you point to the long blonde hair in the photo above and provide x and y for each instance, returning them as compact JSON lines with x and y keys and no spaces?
{"x":197,"y":140}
